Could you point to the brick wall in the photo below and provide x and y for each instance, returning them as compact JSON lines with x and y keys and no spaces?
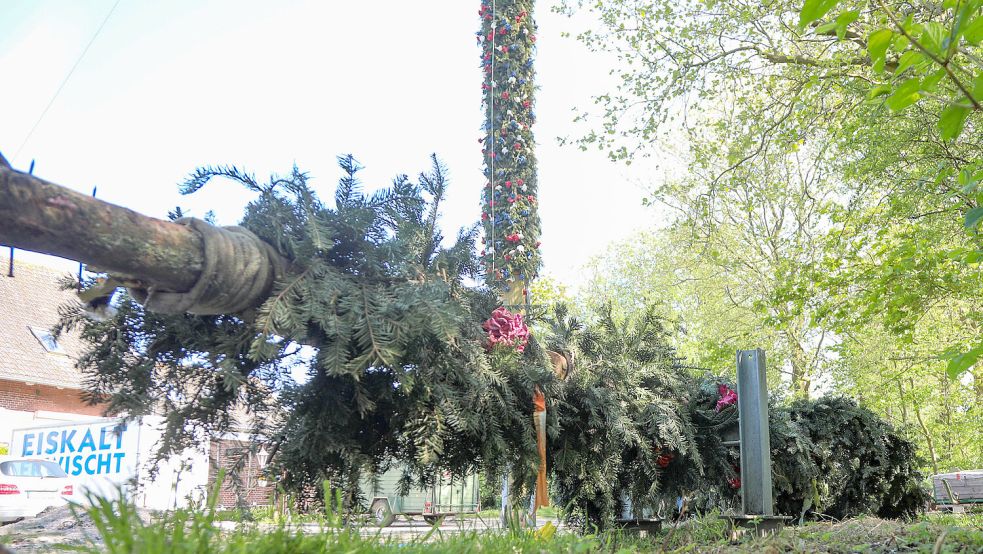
{"x":19,"y":396}
{"x":225,"y":454}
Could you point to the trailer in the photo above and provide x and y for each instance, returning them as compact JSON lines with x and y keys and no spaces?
{"x":449,"y":496}
{"x":958,"y":490}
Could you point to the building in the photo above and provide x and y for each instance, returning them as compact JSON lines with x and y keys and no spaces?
{"x":39,"y":383}
{"x":41,"y":387}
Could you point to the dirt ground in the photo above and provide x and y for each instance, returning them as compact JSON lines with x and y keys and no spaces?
{"x":53,"y":526}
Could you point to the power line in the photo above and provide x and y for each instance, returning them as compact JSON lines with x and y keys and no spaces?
{"x":65,"y":80}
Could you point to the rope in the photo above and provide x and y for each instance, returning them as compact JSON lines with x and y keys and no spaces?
{"x":238,"y":272}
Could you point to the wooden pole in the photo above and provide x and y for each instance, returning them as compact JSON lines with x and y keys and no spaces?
{"x":43,"y":217}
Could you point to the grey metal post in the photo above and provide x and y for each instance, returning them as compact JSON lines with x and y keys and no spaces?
{"x":504,"y":515}
{"x":752,"y":393}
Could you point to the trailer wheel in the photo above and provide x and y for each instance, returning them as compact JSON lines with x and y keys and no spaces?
{"x":431,"y":519}
{"x":382,"y":513}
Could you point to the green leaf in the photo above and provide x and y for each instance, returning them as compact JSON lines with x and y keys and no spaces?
{"x":951,"y":123}
{"x":877,"y":45}
{"x":960,"y":363}
{"x":815,"y":9}
{"x":931,"y":81}
{"x":933,"y":36}
{"x":843,"y":21}
{"x":879,"y":90}
{"x":973,"y":217}
{"x":974,"y":31}
{"x":905,"y":95}
{"x":825,"y":28}
{"x":908,"y":59}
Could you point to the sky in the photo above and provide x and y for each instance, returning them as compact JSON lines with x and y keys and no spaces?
{"x":170,"y":86}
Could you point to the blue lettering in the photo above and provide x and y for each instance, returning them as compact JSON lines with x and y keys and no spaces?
{"x":119,"y":429}
{"x":52,"y":443}
{"x":103,"y":462}
{"x":88,"y":441}
{"x":28,"y":443}
{"x":76,"y":465}
{"x":66,"y":441}
{"x":103,"y":443}
{"x":88,"y":469}
{"x":119,"y":459}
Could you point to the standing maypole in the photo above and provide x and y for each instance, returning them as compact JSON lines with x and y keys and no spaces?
{"x":509,"y":210}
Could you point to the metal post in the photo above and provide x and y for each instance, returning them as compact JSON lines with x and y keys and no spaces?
{"x":752,"y":391}
{"x":505,"y":515}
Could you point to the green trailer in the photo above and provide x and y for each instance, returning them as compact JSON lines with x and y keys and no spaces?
{"x":449,"y":496}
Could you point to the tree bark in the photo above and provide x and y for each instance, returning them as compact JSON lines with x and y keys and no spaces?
{"x":43,"y":217}
{"x":929,"y":441}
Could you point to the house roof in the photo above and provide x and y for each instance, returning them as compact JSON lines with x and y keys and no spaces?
{"x":29,"y":304}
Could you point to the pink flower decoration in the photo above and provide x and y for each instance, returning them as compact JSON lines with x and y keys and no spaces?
{"x":727,"y":397}
{"x":506,"y":328}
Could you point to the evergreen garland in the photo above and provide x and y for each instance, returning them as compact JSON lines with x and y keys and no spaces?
{"x":509,"y":209}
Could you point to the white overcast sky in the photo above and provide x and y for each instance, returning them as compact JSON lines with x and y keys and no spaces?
{"x":168,"y":86}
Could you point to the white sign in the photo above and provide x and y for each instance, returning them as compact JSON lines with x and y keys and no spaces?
{"x":110,"y":456}
{"x":105,"y":449}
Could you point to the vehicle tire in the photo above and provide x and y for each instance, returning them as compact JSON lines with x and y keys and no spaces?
{"x":381,"y":512}
{"x":431,"y":519}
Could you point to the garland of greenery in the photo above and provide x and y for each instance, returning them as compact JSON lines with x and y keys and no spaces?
{"x":509,"y":210}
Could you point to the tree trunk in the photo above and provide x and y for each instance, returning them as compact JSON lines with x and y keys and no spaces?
{"x":929,"y":441}
{"x":170,"y":267}
{"x":42,"y":217}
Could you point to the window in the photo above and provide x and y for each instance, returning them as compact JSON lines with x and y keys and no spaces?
{"x":32,"y":468}
{"x":47,"y":340}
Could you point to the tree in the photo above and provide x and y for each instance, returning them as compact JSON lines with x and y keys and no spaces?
{"x":398,"y":369}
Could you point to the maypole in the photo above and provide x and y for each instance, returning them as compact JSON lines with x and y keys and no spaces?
{"x":509,"y":211}
{"x":509,"y":201}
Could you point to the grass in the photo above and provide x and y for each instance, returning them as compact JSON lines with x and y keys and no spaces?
{"x":122,"y":531}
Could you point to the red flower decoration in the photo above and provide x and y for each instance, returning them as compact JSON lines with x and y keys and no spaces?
{"x":663,"y":460}
{"x":507,"y":329}
{"x":727,"y":397}
{"x":734,"y":483}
